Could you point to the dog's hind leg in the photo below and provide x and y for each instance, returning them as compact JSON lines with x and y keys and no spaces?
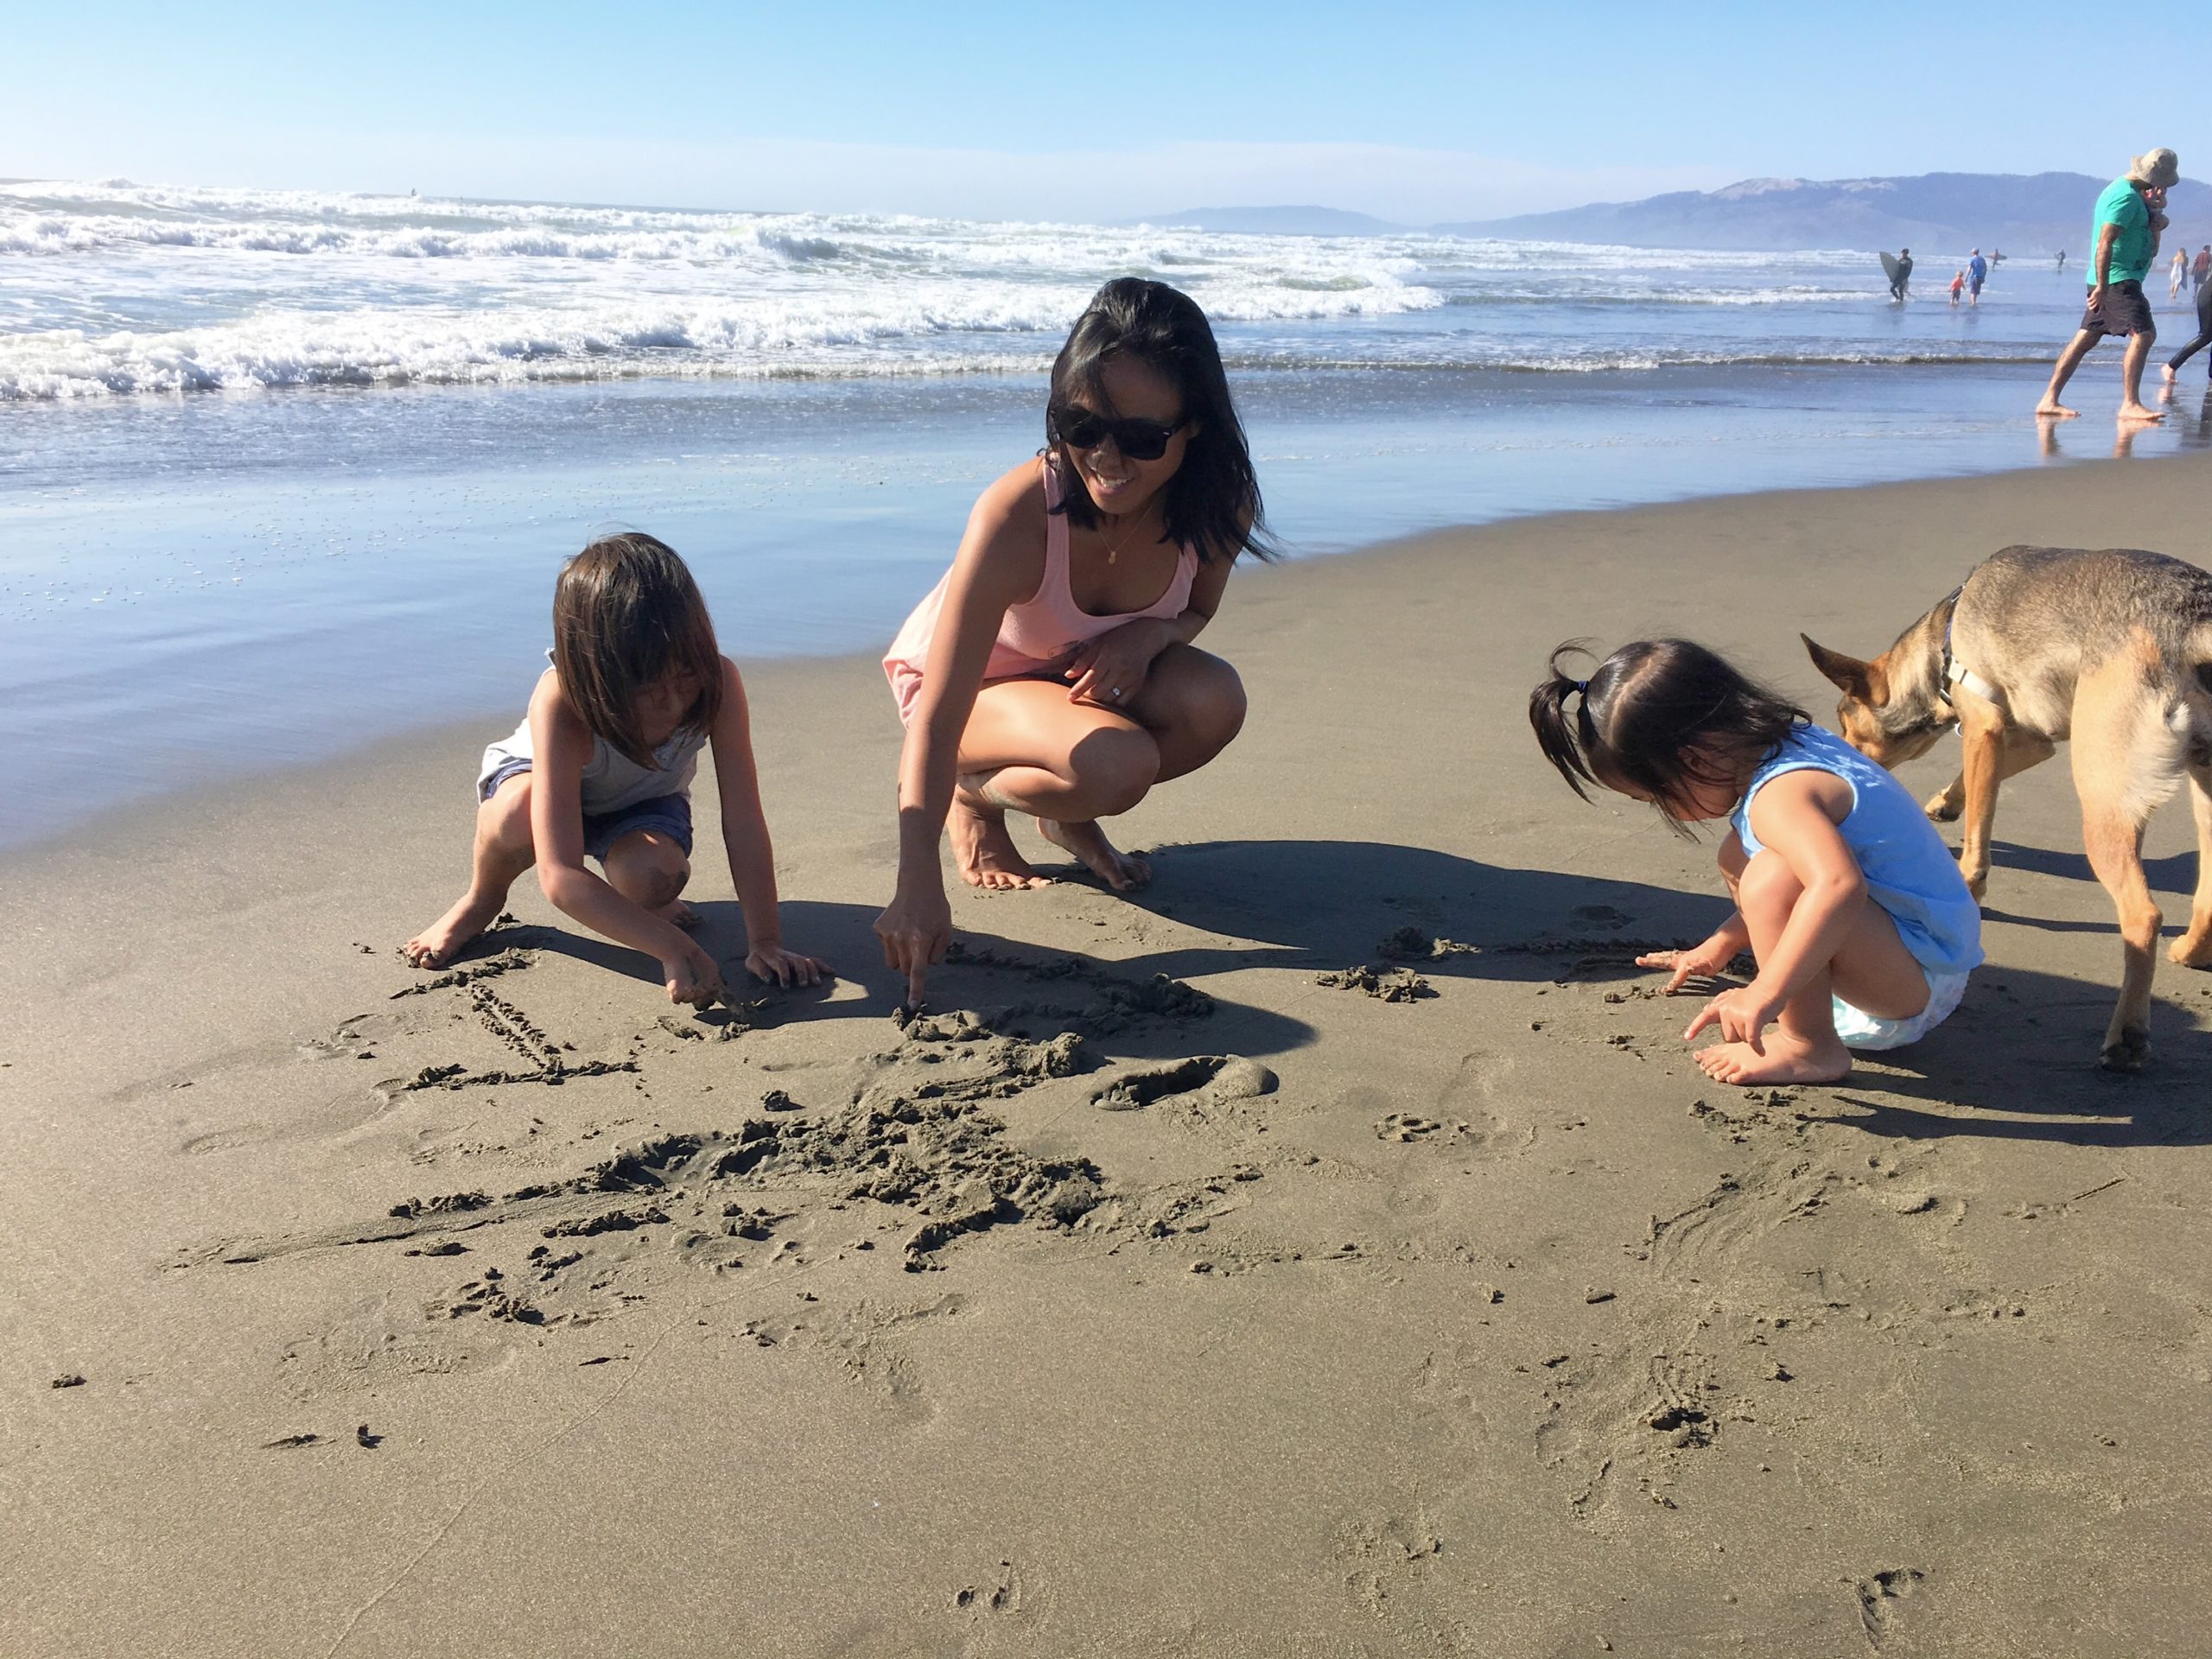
{"x":2194,"y":948}
{"x":2123,"y":767}
{"x":2114,"y":845}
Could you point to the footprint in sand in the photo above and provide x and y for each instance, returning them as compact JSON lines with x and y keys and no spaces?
{"x":1388,"y":1557}
{"x":1407,"y":1127}
{"x":998,"y":1591}
{"x":245,"y":1134}
{"x":1880,"y":1599}
{"x":1224,"y":1077}
{"x":1469,"y":1100}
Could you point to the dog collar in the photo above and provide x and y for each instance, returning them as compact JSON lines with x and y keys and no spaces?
{"x":1956,"y":672}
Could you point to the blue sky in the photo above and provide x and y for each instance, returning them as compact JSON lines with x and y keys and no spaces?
{"x":1417,"y":113}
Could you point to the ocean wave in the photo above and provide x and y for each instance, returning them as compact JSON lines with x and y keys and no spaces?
{"x":117,"y":288}
{"x":493,"y":350}
{"x":65,"y":220}
{"x":791,"y":334}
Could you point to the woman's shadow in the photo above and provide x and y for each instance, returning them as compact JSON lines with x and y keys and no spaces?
{"x":1325,"y":905}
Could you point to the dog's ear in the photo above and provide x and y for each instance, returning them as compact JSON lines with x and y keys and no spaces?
{"x":1851,"y":676}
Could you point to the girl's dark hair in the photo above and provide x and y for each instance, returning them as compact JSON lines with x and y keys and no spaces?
{"x":1213,"y":500}
{"x":626,"y":612}
{"x":1647,"y":711}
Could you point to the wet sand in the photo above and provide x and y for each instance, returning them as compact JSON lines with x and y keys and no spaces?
{"x":1149,"y":1295}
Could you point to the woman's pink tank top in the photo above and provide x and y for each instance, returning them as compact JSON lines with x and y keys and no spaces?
{"x":1043,"y":631}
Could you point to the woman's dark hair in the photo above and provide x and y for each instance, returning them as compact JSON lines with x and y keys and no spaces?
{"x":1213,"y":500}
{"x":1657,"y":715}
{"x":626,"y":612}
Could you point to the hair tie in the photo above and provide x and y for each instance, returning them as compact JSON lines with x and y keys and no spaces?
{"x":1583,"y":686}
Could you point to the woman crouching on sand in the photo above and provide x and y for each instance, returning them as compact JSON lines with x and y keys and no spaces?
{"x":1855,"y":911}
{"x":1050,"y":672}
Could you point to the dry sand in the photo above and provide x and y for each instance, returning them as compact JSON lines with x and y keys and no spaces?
{"x":1097,"y":1314}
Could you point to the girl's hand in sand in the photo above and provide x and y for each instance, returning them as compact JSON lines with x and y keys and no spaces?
{"x":915,"y":931}
{"x":1741,"y":1014}
{"x":772,"y":962}
{"x":692,"y":978}
{"x":1700,"y":962}
{"x":1111,"y":669}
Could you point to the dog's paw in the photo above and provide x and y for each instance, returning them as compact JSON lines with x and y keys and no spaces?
{"x":2129,"y":1053}
{"x":1943,"y":809}
{"x":2192,"y":951}
{"x":1978,"y":886}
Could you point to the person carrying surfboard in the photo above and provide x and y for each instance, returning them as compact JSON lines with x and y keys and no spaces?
{"x":1899,"y":271}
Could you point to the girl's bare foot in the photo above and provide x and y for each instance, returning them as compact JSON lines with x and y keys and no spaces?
{"x":680,"y":912}
{"x":1087,"y":842}
{"x":1789,"y":1059}
{"x":984,"y":849}
{"x":438,"y":943}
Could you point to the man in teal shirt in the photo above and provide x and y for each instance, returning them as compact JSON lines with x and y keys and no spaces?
{"x":2130,"y":215}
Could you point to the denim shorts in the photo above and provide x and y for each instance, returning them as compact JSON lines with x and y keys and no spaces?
{"x":667,"y":815}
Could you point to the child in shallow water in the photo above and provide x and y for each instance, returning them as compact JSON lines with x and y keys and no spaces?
{"x":601,"y":768}
{"x":1853,"y":908}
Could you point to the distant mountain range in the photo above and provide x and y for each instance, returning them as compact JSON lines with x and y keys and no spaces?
{"x":2022,"y":213}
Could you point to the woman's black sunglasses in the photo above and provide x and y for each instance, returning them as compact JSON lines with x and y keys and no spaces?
{"x":1082,"y":429}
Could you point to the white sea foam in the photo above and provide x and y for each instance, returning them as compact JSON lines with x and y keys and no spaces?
{"x":116,"y":287}
{"x":330,"y":290}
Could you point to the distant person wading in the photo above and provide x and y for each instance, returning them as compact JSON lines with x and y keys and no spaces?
{"x":2203,"y":336}
{"x":2130,"y":215}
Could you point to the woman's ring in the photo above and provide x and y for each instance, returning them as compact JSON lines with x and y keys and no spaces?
{"x":1115,"y":692}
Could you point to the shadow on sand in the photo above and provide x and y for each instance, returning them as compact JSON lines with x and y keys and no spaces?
{"x":2018,"y":1059}
{"x":1324,"y":905}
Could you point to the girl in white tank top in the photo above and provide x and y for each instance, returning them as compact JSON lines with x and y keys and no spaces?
{"x":602,"y":768}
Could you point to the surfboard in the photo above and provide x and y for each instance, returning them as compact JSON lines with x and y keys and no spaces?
{"x":1890,"y":268}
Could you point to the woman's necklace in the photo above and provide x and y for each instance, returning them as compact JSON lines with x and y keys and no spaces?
{"x":1113,"y":547}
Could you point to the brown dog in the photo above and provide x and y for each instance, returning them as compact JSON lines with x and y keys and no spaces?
{"x":2111,"y":649}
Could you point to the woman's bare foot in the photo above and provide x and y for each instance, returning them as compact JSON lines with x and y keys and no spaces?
{"x":1087,"y":842}
{"x":2050,"y":409}
{"x":1789,"y":1059}
{"x":984,"y":849}
{"x":438,"y":943}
